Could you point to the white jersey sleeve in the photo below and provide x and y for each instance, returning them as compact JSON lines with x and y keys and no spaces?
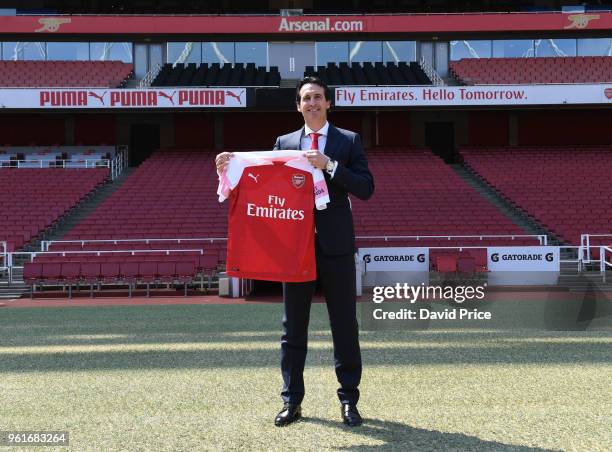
{"x":294,"y":159}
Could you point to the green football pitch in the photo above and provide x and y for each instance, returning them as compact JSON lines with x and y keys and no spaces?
{"x":206,"y":377}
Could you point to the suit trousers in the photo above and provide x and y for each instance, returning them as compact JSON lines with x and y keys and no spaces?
{"x":337,"y":277}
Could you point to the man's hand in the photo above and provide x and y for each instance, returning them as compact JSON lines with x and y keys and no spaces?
{"x":222,"y":160}
{"x":317,"y":159}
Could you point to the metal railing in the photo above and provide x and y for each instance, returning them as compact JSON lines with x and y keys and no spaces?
{"x":150,"y":76}
{"x":33,"y":254}
{"x":578,"y":252}
{"x":575,"y":250}
{"x":3,"y":256}
{"x":542,"y":239}
{"x":116,"y":164}
{"x":119,"y":162}
{"x":83,"y":163}
{"x":585,"y":246}
{"x":604,"y":251}
{"x":431,"y":73}
{"x":44,"y":245}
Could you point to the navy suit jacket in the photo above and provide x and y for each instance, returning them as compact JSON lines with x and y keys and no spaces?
{"x":335,"y":230}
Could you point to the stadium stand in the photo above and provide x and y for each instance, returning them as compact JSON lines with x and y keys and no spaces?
{"x":370,"y":74}
{"x":91,"y":74}
{"x":55,"y":156}
{"x":170,"y":196}
{"x":418,"y":194}
{"x":565,"y":189}
{"x":94,"y":269}
{"x":216,"y":75}
{"x":491,"y":71}
{"x":32,"y":200}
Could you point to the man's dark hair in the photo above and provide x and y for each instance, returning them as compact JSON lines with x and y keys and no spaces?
{"x":314,"y":81}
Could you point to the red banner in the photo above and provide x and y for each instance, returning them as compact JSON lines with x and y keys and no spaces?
{"x":266,"y":25}
{"x":150,"y":98}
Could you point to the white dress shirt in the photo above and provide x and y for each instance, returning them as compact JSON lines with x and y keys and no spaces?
{"x":307,"y":142}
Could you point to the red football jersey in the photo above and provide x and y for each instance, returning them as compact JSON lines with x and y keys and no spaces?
{"x":271,"y":225}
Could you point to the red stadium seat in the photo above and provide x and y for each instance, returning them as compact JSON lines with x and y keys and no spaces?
{"x":34,"y":199}
{"x":110,"y":272}
{"x":71,"y":273}
{"x":207,"y":266}
{"x":476,"y":71}
{"x":466,"y":264}
{"x":102,"y":74}
{"x":32,"y":275}
{"x":446,"y":263}
{"x":166,"y":272}
{"x":90,"y":274}
{"x":129,"y":274}
{"x":52,"y":274}
{"x":560,"y":204}
{"x":418,"y":194}
{"x":147,"y":273}
{"x":185,"y":273}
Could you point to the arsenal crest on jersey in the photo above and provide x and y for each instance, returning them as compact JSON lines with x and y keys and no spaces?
{"x":298,"y":180}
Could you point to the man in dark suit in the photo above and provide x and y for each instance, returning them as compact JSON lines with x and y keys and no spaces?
{"x":340,"y":155}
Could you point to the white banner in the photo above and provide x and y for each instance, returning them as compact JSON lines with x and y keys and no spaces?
{"x":394,"y":259}
{"x":523,"y":258}
{"x":149,"y":98}
{"x":397,"y":96}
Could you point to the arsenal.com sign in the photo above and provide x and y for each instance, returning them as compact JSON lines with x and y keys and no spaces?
{"x":324,"y":25}
{"x":123,"y":98}
{"x":337,"y":24}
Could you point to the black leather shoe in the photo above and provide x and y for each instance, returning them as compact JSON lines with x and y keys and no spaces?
{"x":290,"y":413}
{"x":350,"y":415}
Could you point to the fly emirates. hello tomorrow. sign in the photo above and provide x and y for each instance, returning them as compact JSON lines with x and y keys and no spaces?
{"x":397,"y":96}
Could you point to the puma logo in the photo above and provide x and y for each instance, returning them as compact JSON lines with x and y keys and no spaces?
{"x":170,"y":97}
{"x":254,"y":177}
{"x":99,"y":97}
{"x":235,"y":96}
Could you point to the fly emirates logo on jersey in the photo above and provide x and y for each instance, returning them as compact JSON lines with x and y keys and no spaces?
{"x":275,"y":209}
